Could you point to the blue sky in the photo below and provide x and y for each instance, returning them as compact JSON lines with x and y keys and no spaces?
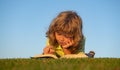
{"x":23,"y":24}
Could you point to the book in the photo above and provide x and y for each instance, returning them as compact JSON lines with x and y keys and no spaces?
{"x":45,"y":56}
{"x":55,"y":57}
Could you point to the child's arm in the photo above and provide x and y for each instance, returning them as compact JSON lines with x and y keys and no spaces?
{"x":66,"y":51}
{"x":67,"y":46}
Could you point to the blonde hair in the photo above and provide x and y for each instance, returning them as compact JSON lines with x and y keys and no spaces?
{"x":67,"y":23}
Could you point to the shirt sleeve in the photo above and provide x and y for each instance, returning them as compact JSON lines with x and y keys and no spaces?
{"x":47,"y":42}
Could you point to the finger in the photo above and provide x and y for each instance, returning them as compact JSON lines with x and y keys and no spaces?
{"x":68,"y":44}
{"x":71,"y":42}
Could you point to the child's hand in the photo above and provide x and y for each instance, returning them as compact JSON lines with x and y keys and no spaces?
{"x":48,"y":50}
{"x":68,"y":44}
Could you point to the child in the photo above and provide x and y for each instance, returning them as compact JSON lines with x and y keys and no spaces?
{"x":65,"y":35}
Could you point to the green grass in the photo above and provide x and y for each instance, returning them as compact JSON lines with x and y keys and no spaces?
{"x":60,"y":64}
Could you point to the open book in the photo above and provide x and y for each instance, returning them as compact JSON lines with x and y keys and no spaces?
{"x":55,"y":57}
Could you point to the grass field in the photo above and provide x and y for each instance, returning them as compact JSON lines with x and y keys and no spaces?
{"x":60,"y":64}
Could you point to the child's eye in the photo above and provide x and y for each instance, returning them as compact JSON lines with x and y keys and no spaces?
{"x":59,"y":33}
{"x":69,"y":37}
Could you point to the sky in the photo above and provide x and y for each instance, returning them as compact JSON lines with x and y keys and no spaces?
{"x":23,"y":24}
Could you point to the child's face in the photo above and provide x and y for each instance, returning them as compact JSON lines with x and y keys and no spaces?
{"x":64,"y":40}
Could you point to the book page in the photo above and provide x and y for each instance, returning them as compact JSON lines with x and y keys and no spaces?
{"x":75,"y":56}
{"x":45,"y":56}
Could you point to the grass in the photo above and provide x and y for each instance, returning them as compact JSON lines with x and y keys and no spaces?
{"x":60,"y":64}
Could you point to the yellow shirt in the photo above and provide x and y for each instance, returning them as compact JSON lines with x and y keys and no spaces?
{"x":59,"y":51}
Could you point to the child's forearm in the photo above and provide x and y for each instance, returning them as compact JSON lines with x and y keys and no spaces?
{"x":67,"y":51}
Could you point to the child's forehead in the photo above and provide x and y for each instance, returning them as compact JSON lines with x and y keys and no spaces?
{"x":64,"y":29}
{"x":65,"y":33}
